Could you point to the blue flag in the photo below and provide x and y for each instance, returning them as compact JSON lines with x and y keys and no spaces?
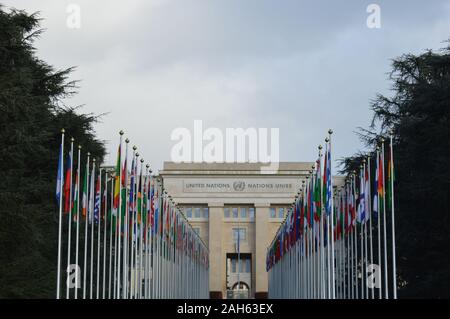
{"x":59,"y":178}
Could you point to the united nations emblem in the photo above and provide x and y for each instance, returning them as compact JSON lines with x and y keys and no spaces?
{"x":239,"y":186}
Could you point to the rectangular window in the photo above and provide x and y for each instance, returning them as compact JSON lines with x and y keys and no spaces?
{"x":226,"y":212}
{"x":205,"y":212}
{"x":280,"y":212}
{"x":233,"y":265}
{"x":243,"y":212}
{"x":247,"y":265}
{"x":188,"y":212}
{"x":251,"y":213}
{"x":242,"y":234}
{"x":235,"y":212}
{"x":240,"y":265}
{"x":273,"y":212}
{"x":197,"y":212}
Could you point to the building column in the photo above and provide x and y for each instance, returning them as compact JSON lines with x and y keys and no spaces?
{"x":216,"y":262}
{"x":261,"y":242}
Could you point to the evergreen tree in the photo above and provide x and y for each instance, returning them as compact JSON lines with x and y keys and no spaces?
{"x":419,"y":114}
{"x":31,"y":117}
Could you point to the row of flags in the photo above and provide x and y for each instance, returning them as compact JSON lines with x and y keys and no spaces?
{"x":327,"y":241}
{"x":139,"y":238}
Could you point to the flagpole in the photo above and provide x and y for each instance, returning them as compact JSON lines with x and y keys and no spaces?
{"x":333,"y":288}
{"x":111,"y":201}
{"x":99,"y":217}
{"x":105,"y":216}
{"x":69,"y":231}
{"x":140,"y":233}
{"x":85,"y":203}
{"x":394,"y":263}
{"x":384,"y":224}
{"x":77,"y":274}
{"x":58,"y":278}
{"x":91,"y":220}
{"x":370,"y":221}
{"x":119,"y":229}
{"x":379,"y":221}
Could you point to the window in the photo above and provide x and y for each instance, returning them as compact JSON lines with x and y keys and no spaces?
{"x":198,"y":211}
{"x":247,"y":265}
{"x":280,"y":212}
{"x":233,"y":265}
{"x":188,"y":212}
{"x":243,"y":212}
{"x":273,"y":212}
{"x":240,"y":265}
{"x":251,"y":213}
{"x":241,"y":232}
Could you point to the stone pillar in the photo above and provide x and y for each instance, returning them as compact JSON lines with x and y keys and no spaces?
{"x":217,"y":263}
{"x":261,"y":242}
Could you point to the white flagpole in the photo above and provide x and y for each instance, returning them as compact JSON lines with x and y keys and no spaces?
{"x":86,"y":234}
{"x":141,"y":232}
{"x":119,"y":230}
{"x":111,"y":229}
{"x":61,"y":177}
{"x":91,"y":220}
{"x":379,"y":224}
{"x":98,"y":234}
{"x":105,"y":216}
{"x":77,"y":275}
{"x":69,"y":231}
{"x":384,"y":224}
{"x":333,"y":288}
{"x":369,"y":206}
{"x":394,"y":263}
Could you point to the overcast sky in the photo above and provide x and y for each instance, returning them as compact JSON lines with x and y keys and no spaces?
{"x":301,"y":66}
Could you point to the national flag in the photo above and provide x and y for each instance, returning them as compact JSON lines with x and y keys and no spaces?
{"x":366,"y":192}
{"x":361,"y":199}
{"x":390,"y":179}
{"x":380,"y":186}
{"x":67,"y":185}
{"x":97,"y":201}
{"x":75,"y":199}
{"x":59,"y":181}
{"x":84,"y":198}
{"x":375,"y":193}
{"x":91,"y":196}
{"x":317,"y":192}
{"x":116,"y":182}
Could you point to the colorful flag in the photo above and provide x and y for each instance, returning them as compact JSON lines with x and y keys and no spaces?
{"x":67,"y":186}
{"x":117,"y":179}
{"x":75,"y":199}
{"x":97,"y":201}
{"x":59,"y":181}
{"x":390,"y":179}
{"x":84,"y":198}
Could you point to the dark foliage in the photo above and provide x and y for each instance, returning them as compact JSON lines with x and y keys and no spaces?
{"x":419,"y":115}
{"x":30,"y":122}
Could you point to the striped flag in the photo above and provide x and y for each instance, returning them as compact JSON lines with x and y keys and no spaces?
{"x":67,"y":185}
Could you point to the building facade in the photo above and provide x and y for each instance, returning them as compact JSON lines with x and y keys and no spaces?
{"x":236,"y":209}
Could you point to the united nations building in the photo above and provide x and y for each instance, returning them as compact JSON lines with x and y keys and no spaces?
{"x":236,"y":209}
